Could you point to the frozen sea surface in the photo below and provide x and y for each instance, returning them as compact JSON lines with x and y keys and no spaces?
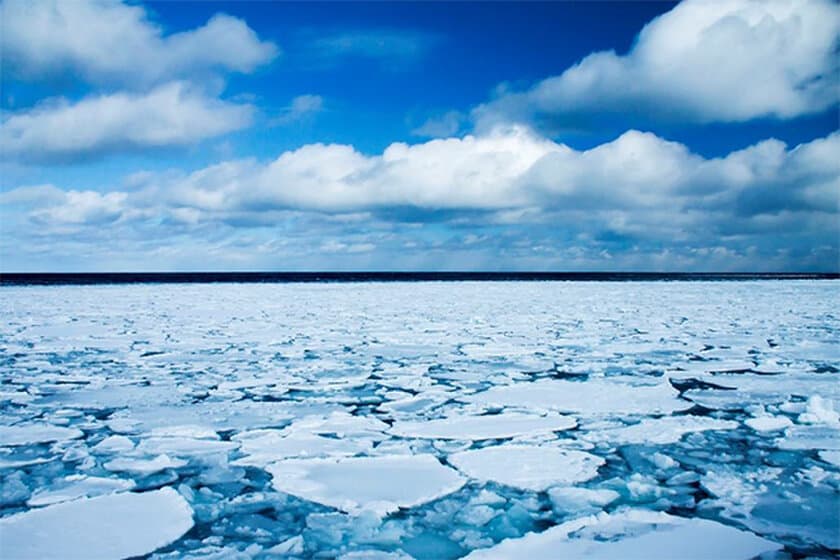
{"x":421,"y":420}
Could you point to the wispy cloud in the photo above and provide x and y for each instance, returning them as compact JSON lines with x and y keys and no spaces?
{"x":387,"y":45}
{"x":302,"y":107}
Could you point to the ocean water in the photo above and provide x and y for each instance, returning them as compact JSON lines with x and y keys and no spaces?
{"x":425,"y":420}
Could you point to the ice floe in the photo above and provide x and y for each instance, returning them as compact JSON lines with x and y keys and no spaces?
{"x":27,"y":434}
{"x":491,"y":426}
{"x":635,"y":534}
{"x":595,"y":396}
{"x":528,"y":467}
{"x":106,"y":527}
{"x":377,"y":484}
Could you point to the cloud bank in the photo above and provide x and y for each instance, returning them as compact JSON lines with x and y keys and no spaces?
{"x":721,"y":61}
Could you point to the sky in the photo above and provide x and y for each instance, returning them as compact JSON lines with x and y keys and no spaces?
{"x":563,"y":136}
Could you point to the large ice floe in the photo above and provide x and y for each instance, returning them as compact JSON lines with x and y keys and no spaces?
{"x":377,"y":484}
{"x":431,"y":421}
{"x":116,"y":526}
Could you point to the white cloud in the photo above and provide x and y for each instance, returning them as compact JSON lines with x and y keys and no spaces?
{"x":383,"y":44}
{"x":82,"y":207}
{"x":727,"y":61}
{"x":633,"y":200}
{"x":108,"y":42}
{"x":301,"y":107}
{"x":441,"y":126}
{"x":172,"y":114}
{"x":636,"y":182}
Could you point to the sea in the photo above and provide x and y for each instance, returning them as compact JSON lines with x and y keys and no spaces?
{"x":441,"y":415}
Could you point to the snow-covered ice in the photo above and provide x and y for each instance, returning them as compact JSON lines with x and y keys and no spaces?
{"x":421,"y":420}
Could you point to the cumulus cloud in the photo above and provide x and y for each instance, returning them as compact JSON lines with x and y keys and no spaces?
{"x":722,"y":61}
{"x":107,"y":42}
{"x":513,"y":196}
{"x":638,"y":184}
{"x":173,"y":114}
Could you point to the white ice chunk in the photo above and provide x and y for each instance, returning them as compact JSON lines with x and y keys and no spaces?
{"x":28,"y":434}
{"x":660,"y":430}
{"x":527,"y":466}
{"x":594,"y":396}
{"x":634,"y":534}
{"x":832,"y":457}
{"x":142,"y":467}
{"x":113,"y":445}
{"x":494,"y":426}
{"x":79,"y":486}
{"x":107,"y":527}
{"x":768,"y":423}
{"x":378,"y":484}
{"x":574,"y":500}
{"x":819,"y":411}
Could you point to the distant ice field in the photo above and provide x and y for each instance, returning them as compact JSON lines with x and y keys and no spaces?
{"x":427,"y":420}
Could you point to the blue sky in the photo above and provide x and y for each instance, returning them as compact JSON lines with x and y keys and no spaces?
{"x":402,"y":136}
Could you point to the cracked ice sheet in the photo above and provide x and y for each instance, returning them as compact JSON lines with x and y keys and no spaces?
{"x":476,"y":428}
{"x":378,"y":484}
{"x":593,"y":396}
{"x":106,"y":527}
{"x":633,"y":535}
{"x":528,"y":467}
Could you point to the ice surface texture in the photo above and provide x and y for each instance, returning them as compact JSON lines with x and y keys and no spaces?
{"x":421,"y":420}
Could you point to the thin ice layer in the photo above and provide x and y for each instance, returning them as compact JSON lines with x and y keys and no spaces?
{"x":634,"y":534}
{"x":107,"y":527}
{"x":378,"y":484}
{"x":527,"y":466}
{"x":493,"y":426}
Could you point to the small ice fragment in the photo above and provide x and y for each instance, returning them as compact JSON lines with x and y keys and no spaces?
{"x":289,"y":547}
{"x":528,"y":467}
{"x":107,"y":527}
{"x":356,"y":484}
{"x":663,"y":462}
{"x":819,"y":411}
{"x":28,"y":434}
{"x":570,"y":500}
{"x":768,"y":423}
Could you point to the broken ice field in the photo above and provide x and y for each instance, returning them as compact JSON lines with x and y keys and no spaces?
{"x":437,"y":420}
